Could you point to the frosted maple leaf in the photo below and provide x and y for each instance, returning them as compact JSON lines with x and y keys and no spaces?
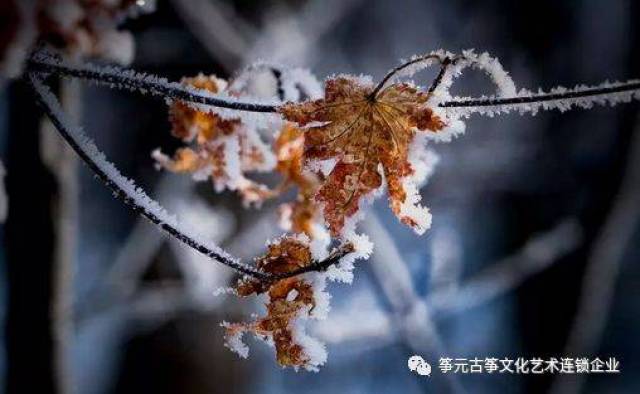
{"x":368,"y":132}
{"x":223,"y":149}
{"x":290,"y":302}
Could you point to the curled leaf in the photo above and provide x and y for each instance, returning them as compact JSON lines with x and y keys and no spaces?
{"x":369,"y":136}
{"x":290,"y":301}
{"x":221,"y":149}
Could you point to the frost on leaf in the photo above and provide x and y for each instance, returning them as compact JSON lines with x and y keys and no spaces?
{"x":290,"y":301}
{"x":301,"y":215}
{"x":365,"y":133}
{"x":221,"y":149}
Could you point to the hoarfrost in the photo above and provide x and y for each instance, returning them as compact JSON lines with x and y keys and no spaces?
{"x":132,"y":194}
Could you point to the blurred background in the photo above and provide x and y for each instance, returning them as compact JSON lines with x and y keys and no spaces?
{"x":533,"y":251}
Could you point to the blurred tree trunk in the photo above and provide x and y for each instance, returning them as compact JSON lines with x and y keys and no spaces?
{"x":29,"y":233}
{"x":62,"y":163}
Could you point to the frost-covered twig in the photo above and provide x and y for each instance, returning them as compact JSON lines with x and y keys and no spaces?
{"x":525,"y":101}
{"x":413,"y":63}
{"x":126,"y":190}
{"x":559,"y":98}
{"x":141,"y":245}
{"x":120,"y":78}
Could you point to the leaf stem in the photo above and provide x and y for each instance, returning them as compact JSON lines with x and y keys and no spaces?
{"x":401,"y":67}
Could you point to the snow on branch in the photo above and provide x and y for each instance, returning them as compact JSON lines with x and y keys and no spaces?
{"x":120,"y":78}
{"x":124,"y":188}
{"x":141,"y":203}
{"x":506,"y":101}
{"x":558,"y":98}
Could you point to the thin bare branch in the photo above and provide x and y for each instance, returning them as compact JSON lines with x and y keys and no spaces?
{"x":130,"y":80}
{"x":139,"y":201}
{"x":421,"y":59}
{"x":559,"y":98}
{"x":562,"y":99}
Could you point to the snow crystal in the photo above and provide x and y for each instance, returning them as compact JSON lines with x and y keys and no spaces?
{"x":318,"y":246}
{"x":343,"y":272}
{"x":224,"y":291}
{"x":233,"y":167}
{"x":233,"y":340}
{"x":299,"y":237}
{"x":160,"y":158}
{"x":360,"y":79}
{"x":490,"y":65}
{"x":291,"y":296}
{"x":294,"y":84}
{"x":285,"y":211}
{"x":423,"y":160}
{"x":454,"y":127}
{"x":421,"y":62}
{"x":269,"y":160}
{"x":313,"y":348}
{"x":419,"y":215}
{"x":259,"y":79}
{"x":321,"y":298}
{"x":301,"y":84}
{"x":323,"y":167}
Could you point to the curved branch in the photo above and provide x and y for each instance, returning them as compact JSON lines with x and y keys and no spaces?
{"x":130,"y":80}
{"x":401,"y":67}
{"x":124,"y":189}
{"x":144,"y":205}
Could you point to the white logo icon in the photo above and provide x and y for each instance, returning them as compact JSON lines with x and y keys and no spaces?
{"x":418,"y":365}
